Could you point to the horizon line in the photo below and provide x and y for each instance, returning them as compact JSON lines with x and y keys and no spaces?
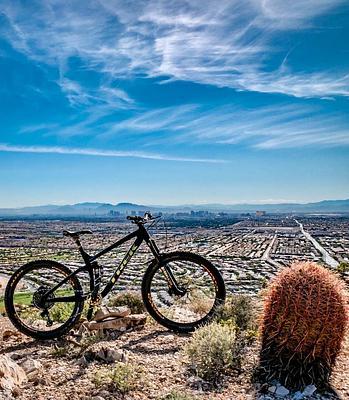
{"x":250,"y":203}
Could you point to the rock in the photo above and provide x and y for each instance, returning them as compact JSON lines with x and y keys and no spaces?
{"x":6,"y":396}
{"x":12,"y":376}
{"x":33,"y":369}
{"x":197,"y":383}
{"x":279,"y":390}
{"x":282,"y":391}
{"x":104,"y":353}
{"x":104,"y":393}
{"x":82,"y":361}
{"x":107,"y":312}
{"x":30,"y":365}
{"x":9,"y":333}
{"x":120,"y":324}
{"x":84,"y":328}
{"x":309,"y":390}
{"x":297,"y":395}
{"x":16,"y":356}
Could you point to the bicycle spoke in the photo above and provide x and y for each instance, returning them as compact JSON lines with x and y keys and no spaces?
{"x":37,"y":310}
{"x":197,"y":292}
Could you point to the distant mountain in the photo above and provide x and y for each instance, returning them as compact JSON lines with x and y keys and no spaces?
{"x":104,"y":209}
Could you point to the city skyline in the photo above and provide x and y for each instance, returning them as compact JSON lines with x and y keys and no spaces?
{"x":174,"y":102}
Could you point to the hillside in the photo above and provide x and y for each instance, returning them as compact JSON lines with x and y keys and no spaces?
{"x":58,"y":370}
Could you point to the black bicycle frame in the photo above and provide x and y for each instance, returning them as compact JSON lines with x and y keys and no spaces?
{"x":94,"y":270}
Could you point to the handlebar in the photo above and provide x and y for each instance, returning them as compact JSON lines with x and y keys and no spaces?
{"x":141,"y":220}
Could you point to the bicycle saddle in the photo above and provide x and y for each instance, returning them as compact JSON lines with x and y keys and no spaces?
{"x":77,"y":233}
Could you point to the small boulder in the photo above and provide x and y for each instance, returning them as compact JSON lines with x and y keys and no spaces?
{"x":279,"y":390}
{"x":33,"y":369}
{"x":121,"y":324}
{"x":9,"y":333}
{"x":104,"y":353}
{"x":107,"y":312}
{"x":29,"y":365}
{"x":309,"y":390}
{"x":12,"y":376}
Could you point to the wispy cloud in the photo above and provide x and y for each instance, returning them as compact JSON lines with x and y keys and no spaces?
{"x":267,"y":127}
{"x":277,"y":126}
{"x":101,"y":153}
{"x":225,"y":43}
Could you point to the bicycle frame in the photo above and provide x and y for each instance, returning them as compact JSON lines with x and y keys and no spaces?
{"x":94,"y":270}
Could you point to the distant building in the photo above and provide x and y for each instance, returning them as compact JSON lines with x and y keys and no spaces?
{"x":114,"y":213}
{"x":260,"y":213}
{"x":199,"y":214}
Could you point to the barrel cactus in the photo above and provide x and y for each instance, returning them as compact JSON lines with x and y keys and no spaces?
{"x":303,"y":326}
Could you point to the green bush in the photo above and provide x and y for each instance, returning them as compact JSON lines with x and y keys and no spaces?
{"x":211,"y":352}
{"x":174,"y":395}
{"x":122,"y":378}
{"x":238,"y":311}
{"x":61,"y":312}
{"x":342,"y":268}
{"x":128,"y":298}
{"x":60,"y":351}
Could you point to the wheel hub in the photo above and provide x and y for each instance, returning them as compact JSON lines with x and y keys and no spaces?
{"x":40,"y":301}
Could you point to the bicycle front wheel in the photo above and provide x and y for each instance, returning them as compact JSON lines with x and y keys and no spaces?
{"x":183,"y":291}
{"x":37,"y":314}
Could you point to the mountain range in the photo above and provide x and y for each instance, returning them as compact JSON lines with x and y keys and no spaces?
{"x":104,"y":209}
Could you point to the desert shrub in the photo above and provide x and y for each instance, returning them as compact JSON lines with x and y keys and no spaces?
{"x":303,"y":325}
{"x":60,"y":351}
{"x":88,"y":340}
{"x":128,"y":298}
{"x":174,"y":395}
{"x":200,"y":304}
{"x":343,"y":268}
{"x":211,"y":352}
{"x":122,"y":378}
{"x":61,"y":312}
{"x":238,"y":310}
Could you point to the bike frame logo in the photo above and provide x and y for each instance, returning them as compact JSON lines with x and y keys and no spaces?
{"x":124,"y":262}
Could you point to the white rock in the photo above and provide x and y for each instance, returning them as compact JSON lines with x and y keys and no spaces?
{"x":11,"y":374}
{"x":280,"y":391}
{"x":309,"y":390}
{"x":298,"y":395}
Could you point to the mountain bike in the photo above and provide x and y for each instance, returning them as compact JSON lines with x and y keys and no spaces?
{"x":44,"y":299}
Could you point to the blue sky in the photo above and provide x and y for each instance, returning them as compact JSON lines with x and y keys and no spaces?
{"x":173,"y":102}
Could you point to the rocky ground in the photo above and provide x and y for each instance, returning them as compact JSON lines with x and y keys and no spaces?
{"x":65,"y":370}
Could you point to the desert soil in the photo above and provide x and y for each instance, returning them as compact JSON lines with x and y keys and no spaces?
{"x":156,"y":352}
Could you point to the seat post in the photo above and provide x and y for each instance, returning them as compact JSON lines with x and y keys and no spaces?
{"x":83,"y":253}
{"x":75,"y":236}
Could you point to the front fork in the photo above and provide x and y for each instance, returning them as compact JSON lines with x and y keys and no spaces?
{"x":173,"y":287}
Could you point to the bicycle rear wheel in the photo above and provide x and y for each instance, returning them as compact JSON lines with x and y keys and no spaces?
{"x":36,"y":315}
{"x":198,"y":294}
